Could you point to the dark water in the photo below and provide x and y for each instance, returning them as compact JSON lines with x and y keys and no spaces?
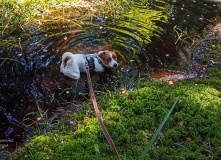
{"x":144,"y":35}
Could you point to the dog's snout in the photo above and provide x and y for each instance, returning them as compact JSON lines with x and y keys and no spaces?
{"x":115,"y":65}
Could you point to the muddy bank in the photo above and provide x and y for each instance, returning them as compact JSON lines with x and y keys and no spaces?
{"x":205,"y":54}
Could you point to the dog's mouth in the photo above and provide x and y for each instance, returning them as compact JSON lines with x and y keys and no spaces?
{"x":115,"y":65}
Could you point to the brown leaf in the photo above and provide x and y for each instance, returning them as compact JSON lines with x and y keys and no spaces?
{"x":170,"y":83}
{"x":188,"y":138}
{"x":71,"y":122}
{"x":15,"y":45}
{"x":86,"y":119}
{"x":122,"y":91}
{"x":88,"y":133}
{"x":111,"y":13}
{"x":181,"y":123}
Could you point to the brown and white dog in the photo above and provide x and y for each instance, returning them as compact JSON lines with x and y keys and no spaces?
{"x":73,"y":64}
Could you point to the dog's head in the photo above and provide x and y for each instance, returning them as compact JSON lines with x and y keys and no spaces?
{"x":109,"y":58}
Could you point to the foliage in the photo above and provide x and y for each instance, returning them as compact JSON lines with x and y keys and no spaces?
{"x":40,"y":13}
{"x":125,"y":18}
{"x":191,"y":132}
{"x":28,"y":15}
{"x":139,"y":23}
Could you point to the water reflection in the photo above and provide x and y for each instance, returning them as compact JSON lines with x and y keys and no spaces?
{"x":31,"y":74}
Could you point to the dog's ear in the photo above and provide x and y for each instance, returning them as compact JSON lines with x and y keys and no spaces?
{"x":102,"y":55}
{"x":116,"y":51}
{"x":107,"y":47}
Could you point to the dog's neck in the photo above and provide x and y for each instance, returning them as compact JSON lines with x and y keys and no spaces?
{"x":90,"y":58}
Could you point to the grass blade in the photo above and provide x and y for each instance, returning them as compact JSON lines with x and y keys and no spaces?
{"x":125,"y":157}
{"x":98,"y":156}
{"x":157,"y":132}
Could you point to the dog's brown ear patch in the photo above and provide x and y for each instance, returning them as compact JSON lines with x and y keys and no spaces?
{"x":105,"y":56}
{"x":102,"y":55}
{"x":65,"y":61}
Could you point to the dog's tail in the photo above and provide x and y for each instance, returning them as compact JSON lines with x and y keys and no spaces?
{"x":67,"y":58}
{"x":67,"y":55}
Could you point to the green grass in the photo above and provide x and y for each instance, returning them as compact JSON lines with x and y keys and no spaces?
{"x":44,"y":13}
{"x":191,"y":132}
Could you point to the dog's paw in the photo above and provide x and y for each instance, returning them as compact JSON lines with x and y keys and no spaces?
{"x":74,"y":76}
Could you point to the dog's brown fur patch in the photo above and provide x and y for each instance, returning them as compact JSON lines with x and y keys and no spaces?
{"x":65,"y":61}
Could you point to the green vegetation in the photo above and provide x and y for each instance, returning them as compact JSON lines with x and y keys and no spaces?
{"x":191,"y":132}
{"x":40,"y":13}
{"x":24,"y":18}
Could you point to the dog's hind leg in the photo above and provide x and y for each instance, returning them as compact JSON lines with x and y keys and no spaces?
{"x":72,"y":69}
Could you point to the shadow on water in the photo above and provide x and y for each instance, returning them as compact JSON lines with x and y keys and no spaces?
{"x":30,"y":70}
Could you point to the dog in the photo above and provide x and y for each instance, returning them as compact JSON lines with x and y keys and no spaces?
{"x":73,"y":64}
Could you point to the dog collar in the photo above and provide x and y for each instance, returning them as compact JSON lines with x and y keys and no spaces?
{"x":101,"y":62}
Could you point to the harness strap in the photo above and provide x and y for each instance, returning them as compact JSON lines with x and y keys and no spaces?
{"x":100,"y":61}
{"x":108,"y":137}
{"x":90,"y":61}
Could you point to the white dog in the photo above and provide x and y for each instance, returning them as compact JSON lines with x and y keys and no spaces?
{"x":73,"y":64}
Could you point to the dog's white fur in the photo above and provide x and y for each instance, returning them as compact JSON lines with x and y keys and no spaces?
{"x":76,"y":64}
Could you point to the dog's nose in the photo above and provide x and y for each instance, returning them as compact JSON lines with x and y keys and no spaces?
{"x":115,"y":65}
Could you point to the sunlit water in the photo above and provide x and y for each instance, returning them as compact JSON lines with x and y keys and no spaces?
{"x":144,"y":35}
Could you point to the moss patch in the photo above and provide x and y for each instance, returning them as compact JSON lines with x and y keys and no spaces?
{"x":191,"y":132}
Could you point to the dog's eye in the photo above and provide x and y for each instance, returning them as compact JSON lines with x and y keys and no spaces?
{"x":109,"y":59}
{"x":114,"y":57}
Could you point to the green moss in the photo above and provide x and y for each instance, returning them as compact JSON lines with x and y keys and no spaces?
{"x":191,"y":132}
